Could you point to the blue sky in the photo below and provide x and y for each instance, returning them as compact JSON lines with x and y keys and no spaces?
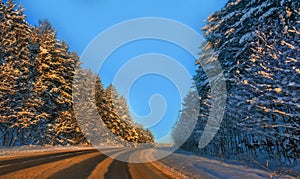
{"x":78,"y":22}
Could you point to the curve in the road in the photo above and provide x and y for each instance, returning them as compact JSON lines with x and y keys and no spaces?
{"x":90,"y":164}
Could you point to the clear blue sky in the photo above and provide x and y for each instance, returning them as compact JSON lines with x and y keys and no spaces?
{"x":80,"y":21}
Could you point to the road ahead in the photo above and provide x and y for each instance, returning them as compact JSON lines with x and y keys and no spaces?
{"x":76,"y":164}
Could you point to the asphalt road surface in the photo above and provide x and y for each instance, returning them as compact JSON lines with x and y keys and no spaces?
{"x":76,"y":164}
{"x":90,"y":163}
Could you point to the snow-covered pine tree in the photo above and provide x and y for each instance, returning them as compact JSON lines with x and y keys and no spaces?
{"x":115,"y":114}
{"x":121,"y":108}
{"x":19,"y":102}
{"x":257,"y":44}
{"x":272,"y":84}
{"x":86,"y":101}
{"x":56,"y":66}
{"x":185,"y":125}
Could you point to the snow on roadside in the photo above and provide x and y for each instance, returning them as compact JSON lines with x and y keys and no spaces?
{"x":199,"y":167}
{"x":21,"y":150}
{"x":8,"y":152}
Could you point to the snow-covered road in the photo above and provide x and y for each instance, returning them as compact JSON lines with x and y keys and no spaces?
{"x":82,"y":162}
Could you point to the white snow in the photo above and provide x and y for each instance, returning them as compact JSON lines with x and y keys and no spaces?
{"x":247,"y":37}
{"x":268,"y":13}
{"x":198,"y":167}
{"x":16,"y":151}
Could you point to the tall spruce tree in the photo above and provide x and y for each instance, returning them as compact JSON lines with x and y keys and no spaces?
{"x":185,"y":125}
{"x":56,"y":66}
{"x":257,"y":45}
{"x":19,"y":102}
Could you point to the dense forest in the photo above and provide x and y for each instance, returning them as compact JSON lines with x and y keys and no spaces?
{"x":255,"y":41}
{"x":36,"y":77}
{"x":257,"y":44}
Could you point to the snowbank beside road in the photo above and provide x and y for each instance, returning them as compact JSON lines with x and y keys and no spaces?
{"x":9,"y":152}
{"x":198,"y":167}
